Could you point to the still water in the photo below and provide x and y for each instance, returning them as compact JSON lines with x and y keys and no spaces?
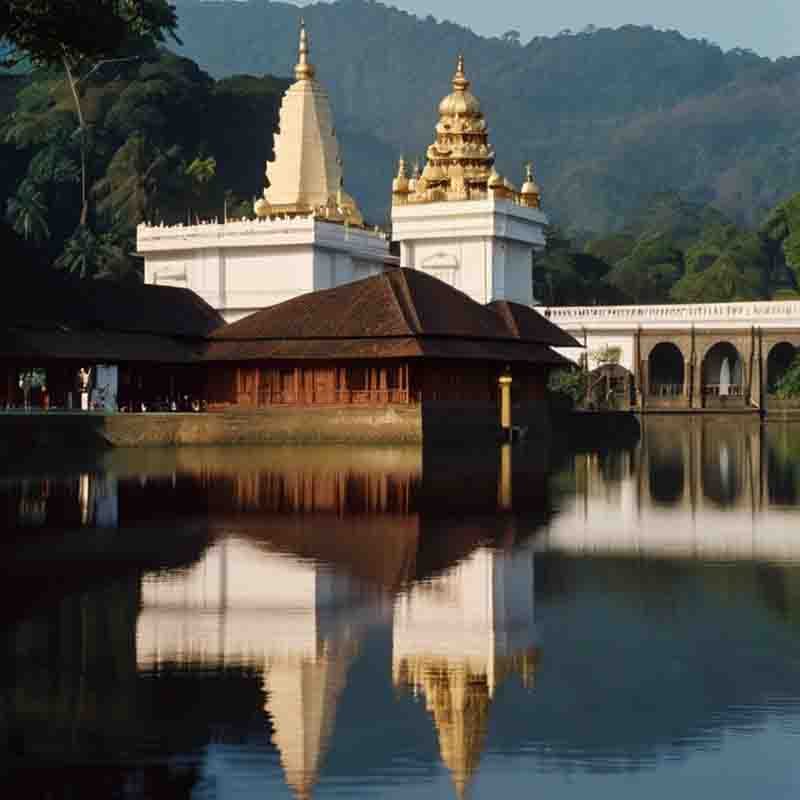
{"x":369,"y":623}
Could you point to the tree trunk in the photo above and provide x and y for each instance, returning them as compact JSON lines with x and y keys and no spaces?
{"x":82,"y":127}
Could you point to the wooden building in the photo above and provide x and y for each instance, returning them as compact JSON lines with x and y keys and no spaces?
{"x":402,"y":338}
{"x":399,"y":338}
{"x":54,"y":325}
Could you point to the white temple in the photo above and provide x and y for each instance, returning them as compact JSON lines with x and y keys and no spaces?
{"x":461,"y":221}
{"x":458,"y":220}
{"x":294,"y":622}
{"x":309,"y":234}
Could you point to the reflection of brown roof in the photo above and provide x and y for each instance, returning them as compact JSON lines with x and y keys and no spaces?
{"x":400,"y":313}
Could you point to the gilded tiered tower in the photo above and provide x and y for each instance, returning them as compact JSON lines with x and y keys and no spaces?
{"x":459,"y":219}
{"x":460,"y":162}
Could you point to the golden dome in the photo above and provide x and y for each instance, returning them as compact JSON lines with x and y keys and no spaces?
{"x":461,"y":101}
{"x":530,"y":191}
{"x":262,"y":207}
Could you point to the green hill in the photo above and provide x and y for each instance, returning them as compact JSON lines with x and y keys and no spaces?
{"x":609,"y":117}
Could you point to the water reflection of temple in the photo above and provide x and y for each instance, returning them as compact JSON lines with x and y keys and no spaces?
{"x":682,"y":493}
{"x":294,"y":622}
{"x":457,"y":637}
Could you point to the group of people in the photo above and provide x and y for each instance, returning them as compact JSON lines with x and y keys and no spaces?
{"x":183,"y":404}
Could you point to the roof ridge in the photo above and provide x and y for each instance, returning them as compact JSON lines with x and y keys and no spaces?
{"x":508,"y":317}
{"x":404,"y":300}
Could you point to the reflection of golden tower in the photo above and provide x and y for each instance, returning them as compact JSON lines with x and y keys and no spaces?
{"x":459,"y":636}
{"x":459,"y":703}
{"x":302,"y":695}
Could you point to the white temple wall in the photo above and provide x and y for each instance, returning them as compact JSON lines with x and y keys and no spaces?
{"x":512,"y":271}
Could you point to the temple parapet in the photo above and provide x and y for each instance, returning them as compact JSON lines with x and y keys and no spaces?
{"x":756,"y":311}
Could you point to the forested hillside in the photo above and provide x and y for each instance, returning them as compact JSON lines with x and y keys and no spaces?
{"x":671,"y":169}
{"x":165,"y":142}
{"x":609,"y":117}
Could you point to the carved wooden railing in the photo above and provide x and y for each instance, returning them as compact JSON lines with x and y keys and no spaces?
{"x":341,"y":396}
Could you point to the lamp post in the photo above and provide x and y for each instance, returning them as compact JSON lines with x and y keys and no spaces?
{"x":505,"y":381}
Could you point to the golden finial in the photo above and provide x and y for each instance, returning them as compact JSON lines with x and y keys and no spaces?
{"x":460,"y":82}
{"x":529,"y":171}
{"x":401,"y":168}
{"x":303,"y":71}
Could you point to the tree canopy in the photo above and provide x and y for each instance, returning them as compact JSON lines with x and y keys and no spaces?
{"x":45,"y":31}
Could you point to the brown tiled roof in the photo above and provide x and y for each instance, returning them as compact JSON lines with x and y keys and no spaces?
{"x":46,"y":299}
{"x":401,"y":347}
{"x":97,"y":345}
{"x":52,"y":315}
{"x":531,"y":325}
{"x":397,"y":303}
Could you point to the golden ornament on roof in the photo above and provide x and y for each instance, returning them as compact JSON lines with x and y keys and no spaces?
{"x":303,"y":71}
{"x":461,"y":101}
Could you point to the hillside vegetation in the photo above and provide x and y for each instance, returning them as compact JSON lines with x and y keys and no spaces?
{"x":609,"y":117}
{"x":669,"y":167}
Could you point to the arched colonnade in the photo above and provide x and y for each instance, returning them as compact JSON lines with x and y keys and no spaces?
{"x":712,"y":371}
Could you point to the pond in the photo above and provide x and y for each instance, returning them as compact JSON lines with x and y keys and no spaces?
{"x":392,"y":622}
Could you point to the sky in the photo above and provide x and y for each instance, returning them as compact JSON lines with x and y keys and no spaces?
{"x":771,"y":27}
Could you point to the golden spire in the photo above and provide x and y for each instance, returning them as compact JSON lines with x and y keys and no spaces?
{"x":460,"y":82}
{"x":303,"y":71}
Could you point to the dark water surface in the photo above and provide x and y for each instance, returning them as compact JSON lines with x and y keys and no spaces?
{"x":363,"y":623}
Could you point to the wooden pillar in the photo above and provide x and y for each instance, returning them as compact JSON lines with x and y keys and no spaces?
{"x":505,"y":403}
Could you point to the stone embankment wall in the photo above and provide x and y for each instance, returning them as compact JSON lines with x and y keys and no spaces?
{"x":274,"y":426}
{"x":20,"y":432}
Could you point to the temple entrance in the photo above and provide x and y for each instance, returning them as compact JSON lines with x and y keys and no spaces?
{"x":722,"y":372}
{"x":666,"y":370}
{"x":779,"y":360}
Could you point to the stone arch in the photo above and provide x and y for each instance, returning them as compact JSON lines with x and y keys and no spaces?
{"x":666,"y":370}
{"x":723,"y":370}
{"x":779,"y":360}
